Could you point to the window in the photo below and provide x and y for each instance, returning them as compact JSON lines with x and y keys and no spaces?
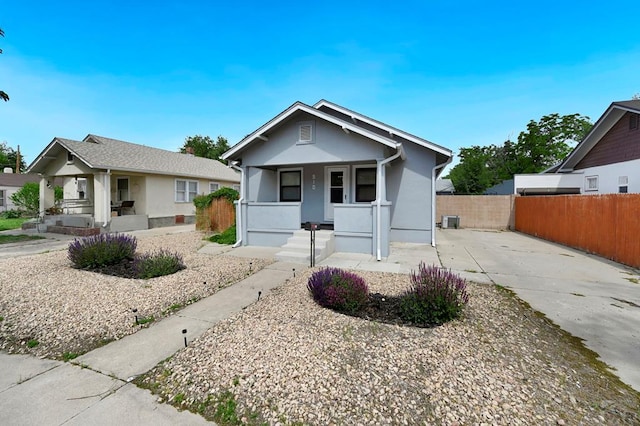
{"x":633,"y":121}
{"x":69,"y":157}
{"x":236,"y":187}
{"x":2,"y":198}
{"x":290,"y":185}
{"x":213,"y":187}
{"x":365,"y":184}
{"x":186,"y":190}
{"x":82,"y":188}
{"x":305,"y":132}
{"x":623,"y":182}
{"x":122,"y":189}
{"x":591,"y":183}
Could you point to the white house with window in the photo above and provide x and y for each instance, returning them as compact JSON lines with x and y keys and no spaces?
{"x":364,"y":183}
{"x":122,"y":186}
{"x":606,"y":161}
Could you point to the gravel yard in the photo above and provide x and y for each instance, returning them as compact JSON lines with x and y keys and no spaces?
{"x":286,"y":360}
{"x":46,"y":304}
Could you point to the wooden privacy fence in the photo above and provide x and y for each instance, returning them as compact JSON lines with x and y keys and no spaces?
{"x":217,"y":217}
{"x":606,"y":225}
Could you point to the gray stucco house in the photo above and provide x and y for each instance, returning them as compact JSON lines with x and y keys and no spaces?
{"x":366,"y":182}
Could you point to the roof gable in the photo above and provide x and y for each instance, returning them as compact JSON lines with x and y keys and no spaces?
{"x":605,"y":123}
{"x":99,"y":152}
{"x":324,"y":110}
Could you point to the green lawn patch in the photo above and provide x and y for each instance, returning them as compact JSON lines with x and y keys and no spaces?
{"x":6,"y":224}
{"x":6,"y":239}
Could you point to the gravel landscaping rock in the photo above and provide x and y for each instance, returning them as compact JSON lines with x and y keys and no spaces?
{"x":285,"y":360}
{"x":46,"y":304}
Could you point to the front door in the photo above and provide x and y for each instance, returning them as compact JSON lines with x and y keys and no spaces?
{"x":336,"y":189}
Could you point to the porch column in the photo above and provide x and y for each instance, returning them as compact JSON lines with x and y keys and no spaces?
{"x":47,"y":195}
{"x":102,"y":197}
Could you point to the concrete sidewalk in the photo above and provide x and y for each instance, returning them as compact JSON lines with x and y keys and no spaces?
{"x":95,"y":389}
{"x":588,"y":296}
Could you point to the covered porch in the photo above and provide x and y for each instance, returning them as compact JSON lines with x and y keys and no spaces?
{"x":347,"y":198}
{"x":100,"y":200}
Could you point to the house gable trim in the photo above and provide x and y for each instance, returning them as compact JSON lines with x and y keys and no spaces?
{"x":355,"y":117}
{"x":299,"y":106}
{"x":610,"y":117}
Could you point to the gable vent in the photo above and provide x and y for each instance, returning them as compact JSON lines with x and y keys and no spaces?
{"x":623,"y":180}
{"x":305,"y":132}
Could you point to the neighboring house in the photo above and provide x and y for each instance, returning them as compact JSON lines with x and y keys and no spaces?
{"x":503,"y":188}
{"x":445,"y":187}
{"x":10,"y":183}
{"x":369,"y":182}
{"x":123,"y":186}
{"x":606,"y":161}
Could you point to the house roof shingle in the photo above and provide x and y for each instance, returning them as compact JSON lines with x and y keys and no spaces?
{"x":99,"y":152}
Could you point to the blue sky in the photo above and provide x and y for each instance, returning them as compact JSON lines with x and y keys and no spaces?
{"x":456,"y":73}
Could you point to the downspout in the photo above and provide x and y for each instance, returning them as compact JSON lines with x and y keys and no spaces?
{"x":381,"y":163}
{"x":232,"y":164}
{"x":433,"y":198}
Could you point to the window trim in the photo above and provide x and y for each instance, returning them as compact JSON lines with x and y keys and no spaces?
{"x":587,"y":187}
{"x":214,"y":183}
{"x":354,"y":185}
{"x":186,"y":190}
{"x":128,"y":179}
{"x":291,"y":169}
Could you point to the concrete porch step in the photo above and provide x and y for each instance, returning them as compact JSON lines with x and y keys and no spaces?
{"x":297,"y":249}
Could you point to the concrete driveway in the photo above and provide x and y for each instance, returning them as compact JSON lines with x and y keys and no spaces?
{"x":590,"y":297}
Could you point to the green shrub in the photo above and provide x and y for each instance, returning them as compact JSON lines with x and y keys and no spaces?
{"x":11,"y":214}
{"x":101,"y":250}
{"x":203,"y":201}
{"x":158,"y":264}
{"x":435,"y":296}
{"x":228,"y":236}
{"x":337,"y":289}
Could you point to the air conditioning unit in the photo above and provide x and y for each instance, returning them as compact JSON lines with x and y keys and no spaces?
{"x":450,"y":222}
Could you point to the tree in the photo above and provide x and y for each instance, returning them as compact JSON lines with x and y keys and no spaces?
{"x":549,"y":141}
{"x":8,"y":157}
{"x":28,"y":197}
{"x":204,"y":146}
{"x":472,"y":175}
{"x":3,"y":95}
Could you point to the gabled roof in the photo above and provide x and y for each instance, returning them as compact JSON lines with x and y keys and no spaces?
{"x":17,"y":179}
{"x":351,"y":126}
{"x":98,"y":152}
{"x":392,"y":131}
{"x":610,"y":117}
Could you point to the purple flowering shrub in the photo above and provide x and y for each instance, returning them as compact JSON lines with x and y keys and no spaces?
{"x":339,"y":290}
{"x":158,"y":264}
{"x":101,"y":250}
{"x":435,"y":296}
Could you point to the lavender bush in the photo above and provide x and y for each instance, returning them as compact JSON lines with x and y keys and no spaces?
{"x":158,"y":264}
{"x":338,"y":289}
{"x":436,"y":296}
{"x":101,"y":250}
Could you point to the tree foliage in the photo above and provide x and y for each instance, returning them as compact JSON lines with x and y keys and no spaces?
{"x":204,"y":146}
{"x":3,"y":95}
{"x":8,"y":158}
{"x":543,"y":144}
{"x":27,"y":198}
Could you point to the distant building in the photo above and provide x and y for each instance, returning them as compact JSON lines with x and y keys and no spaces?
{"x":445,"y":186}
